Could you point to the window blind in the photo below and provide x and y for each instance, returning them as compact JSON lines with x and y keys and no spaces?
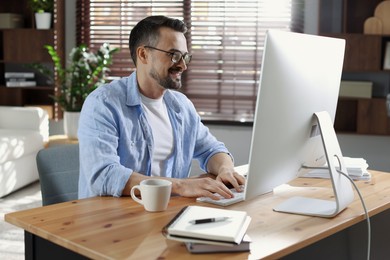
{"x":226,"y":38}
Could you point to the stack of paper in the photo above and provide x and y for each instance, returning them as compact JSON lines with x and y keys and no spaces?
{"x":356,"y":167}
{"x":209,"y":229}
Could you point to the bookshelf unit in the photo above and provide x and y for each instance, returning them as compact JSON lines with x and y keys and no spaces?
{"x":364,"y":57}
{"x":21,"y":47}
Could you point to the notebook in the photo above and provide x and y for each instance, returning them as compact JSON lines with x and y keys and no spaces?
{"x":227,"y":232}
{"x":200,"y":248}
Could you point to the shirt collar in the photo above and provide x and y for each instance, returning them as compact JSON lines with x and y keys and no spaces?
{"x":134,"y":96}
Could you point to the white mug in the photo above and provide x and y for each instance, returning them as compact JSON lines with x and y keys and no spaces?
{"x":155,"y":194}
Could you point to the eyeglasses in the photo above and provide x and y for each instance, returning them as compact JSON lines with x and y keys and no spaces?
{"x":176,"y":56}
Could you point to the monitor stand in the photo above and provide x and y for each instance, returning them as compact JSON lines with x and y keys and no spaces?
{"x":342,"y":187}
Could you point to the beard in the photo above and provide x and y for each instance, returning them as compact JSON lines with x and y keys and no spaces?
{"x":170,"y":81}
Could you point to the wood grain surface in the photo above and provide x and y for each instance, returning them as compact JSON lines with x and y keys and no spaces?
{"x":119,"y":228}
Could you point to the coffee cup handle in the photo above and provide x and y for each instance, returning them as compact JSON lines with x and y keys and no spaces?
{"x":133,"y":195}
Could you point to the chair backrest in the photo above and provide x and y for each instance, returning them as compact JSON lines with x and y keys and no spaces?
{"x":58,"y":169}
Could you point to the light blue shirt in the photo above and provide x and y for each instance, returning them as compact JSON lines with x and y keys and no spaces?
{"x":115,"y":138}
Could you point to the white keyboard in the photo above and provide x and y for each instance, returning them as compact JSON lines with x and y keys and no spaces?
{"x":238,"y":196}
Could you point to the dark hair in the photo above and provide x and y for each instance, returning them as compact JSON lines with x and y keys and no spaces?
{"x":146,"y":32}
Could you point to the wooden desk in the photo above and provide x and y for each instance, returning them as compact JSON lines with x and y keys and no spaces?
{"x":118,"y":228}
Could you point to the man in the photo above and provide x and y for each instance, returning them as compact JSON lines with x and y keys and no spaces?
{"x":139,"y":127}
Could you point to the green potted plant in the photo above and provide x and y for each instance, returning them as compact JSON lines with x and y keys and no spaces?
{"x":43,"y":10}
{"x":85,"y":72}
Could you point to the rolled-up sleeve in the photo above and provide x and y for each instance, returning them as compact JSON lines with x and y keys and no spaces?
{"x":114,"y":139}
{"x":100,"y":167}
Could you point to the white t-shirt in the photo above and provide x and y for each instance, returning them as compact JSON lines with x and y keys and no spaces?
{"x":157,"y":116}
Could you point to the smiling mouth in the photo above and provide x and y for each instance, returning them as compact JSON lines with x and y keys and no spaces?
{"x":175,"y":72}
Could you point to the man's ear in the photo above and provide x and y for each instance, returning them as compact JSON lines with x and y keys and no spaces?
{"x":142,"y":55}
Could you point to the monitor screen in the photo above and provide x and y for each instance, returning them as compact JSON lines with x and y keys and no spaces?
{"x":300,"y":75}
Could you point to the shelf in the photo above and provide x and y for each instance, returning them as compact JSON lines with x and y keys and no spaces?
{"x":18,"y":51}
{"x":24,"y":46}
{"x":356,"y":12}
{"x":20,"y":7}
{"x":33,"y":88}
{"x":363,"y":61}
{"x":362,"y":116}
{"x":18,"y":46}
{"x":15,"y":96}
{"x":362,"y":52}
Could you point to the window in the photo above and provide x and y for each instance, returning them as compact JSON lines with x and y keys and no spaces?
{"x":225,"y":37}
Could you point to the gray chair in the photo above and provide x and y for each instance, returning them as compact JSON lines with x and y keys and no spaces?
{"x":58,"y":169}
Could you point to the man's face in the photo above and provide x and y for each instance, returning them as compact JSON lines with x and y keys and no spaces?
{"x":165,"y":72}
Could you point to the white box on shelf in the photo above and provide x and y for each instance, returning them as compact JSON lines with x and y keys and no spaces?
{"x":10,"y":21}
{"x":356,"y":89}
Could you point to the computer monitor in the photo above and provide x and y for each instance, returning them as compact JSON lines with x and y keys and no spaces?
{"x":300,"y":76}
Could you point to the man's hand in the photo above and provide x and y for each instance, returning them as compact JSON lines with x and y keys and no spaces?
{"x":200,"y":187}
{"x":231,"y":177}
{"x":208,"y":184}
{"x":221,"y":165}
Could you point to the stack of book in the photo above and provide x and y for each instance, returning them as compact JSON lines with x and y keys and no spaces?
{"x":210,"y":230}
{"x":20,"y":79}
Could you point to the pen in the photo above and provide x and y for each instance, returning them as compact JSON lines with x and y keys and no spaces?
{"x":208,"y":220}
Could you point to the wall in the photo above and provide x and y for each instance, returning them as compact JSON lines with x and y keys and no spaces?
{"x":311,"y":16}
{"x":236,"y":138}
{"x":375,"y":149}
{"x":70,"y":21}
